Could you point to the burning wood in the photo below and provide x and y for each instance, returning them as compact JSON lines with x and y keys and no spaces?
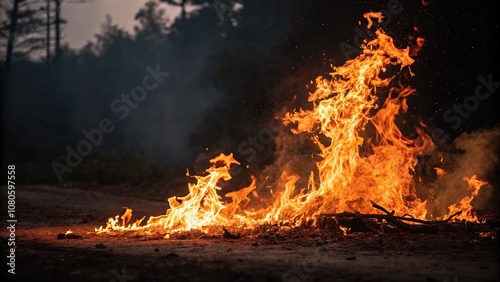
{"x":421,"y":226}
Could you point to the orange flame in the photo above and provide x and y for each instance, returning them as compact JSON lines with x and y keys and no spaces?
{"x":465,"y":204}
{"x":341,"y":109}
{"x":349,"y":179}
{"x":201,"y":208}
{"x":439,"y":171}
{"x":377,"y":15}
{"x":345,"y":230}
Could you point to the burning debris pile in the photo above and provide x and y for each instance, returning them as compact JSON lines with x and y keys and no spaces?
{"x":349,"y":182}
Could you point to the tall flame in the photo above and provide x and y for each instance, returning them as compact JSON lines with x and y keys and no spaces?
{"x":341,"y":109}
{"x":349,"y":179}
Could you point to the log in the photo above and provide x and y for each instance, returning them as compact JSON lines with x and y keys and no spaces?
{"x":382,"y":216}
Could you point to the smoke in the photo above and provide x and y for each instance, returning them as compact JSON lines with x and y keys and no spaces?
{"x":294,"y":154}
{"x":474,"y":153}
{"x":163,"y":127}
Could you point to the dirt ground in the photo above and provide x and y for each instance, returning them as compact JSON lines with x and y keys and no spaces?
{"x":271,"y":254}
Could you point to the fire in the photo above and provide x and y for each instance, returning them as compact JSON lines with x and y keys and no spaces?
{"x":114,"y":223}
{"x":439,"y":171}
{"x":354,"y":171}
{"x":345,"y":230}
{"x":465,"y":204}
{"x":342,"y":108}
{"x":200,"y":209}
{"x":68,"y":232}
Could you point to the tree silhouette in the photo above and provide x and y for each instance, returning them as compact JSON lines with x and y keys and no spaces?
{"x":12,"y":31}
{"x":153,"y":24}
{"x":21,"y":31}
{"x":27,"y":29}
{"x":179,"y":3}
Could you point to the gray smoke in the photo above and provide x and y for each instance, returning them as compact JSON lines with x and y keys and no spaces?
{"x":475,"y":153}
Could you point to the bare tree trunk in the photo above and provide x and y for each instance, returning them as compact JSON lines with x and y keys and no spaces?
{"x":48,"y":33}
{"x":183,"y":11}
{"x":58,"y":30}
{"x":12,"y":33}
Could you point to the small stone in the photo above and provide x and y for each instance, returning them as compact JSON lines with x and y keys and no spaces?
{"x":73,"y":236}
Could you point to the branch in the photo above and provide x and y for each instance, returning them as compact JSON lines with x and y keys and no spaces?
{"x":382,"y":209}
{"x":389,"y":216}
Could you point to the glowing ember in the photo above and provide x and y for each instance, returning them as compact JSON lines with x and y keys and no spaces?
{"x":350,"y":178}
{"x":344,"y":229}
{"x":439,"y":171}
{"x":68,"y":232}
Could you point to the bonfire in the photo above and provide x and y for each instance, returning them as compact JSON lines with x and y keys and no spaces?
{"x":357,"y":175}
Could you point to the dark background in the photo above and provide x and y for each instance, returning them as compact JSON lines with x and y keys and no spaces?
{"x":228,"y":71}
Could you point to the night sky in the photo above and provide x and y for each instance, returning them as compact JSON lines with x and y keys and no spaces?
{"x":461,"y":44}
